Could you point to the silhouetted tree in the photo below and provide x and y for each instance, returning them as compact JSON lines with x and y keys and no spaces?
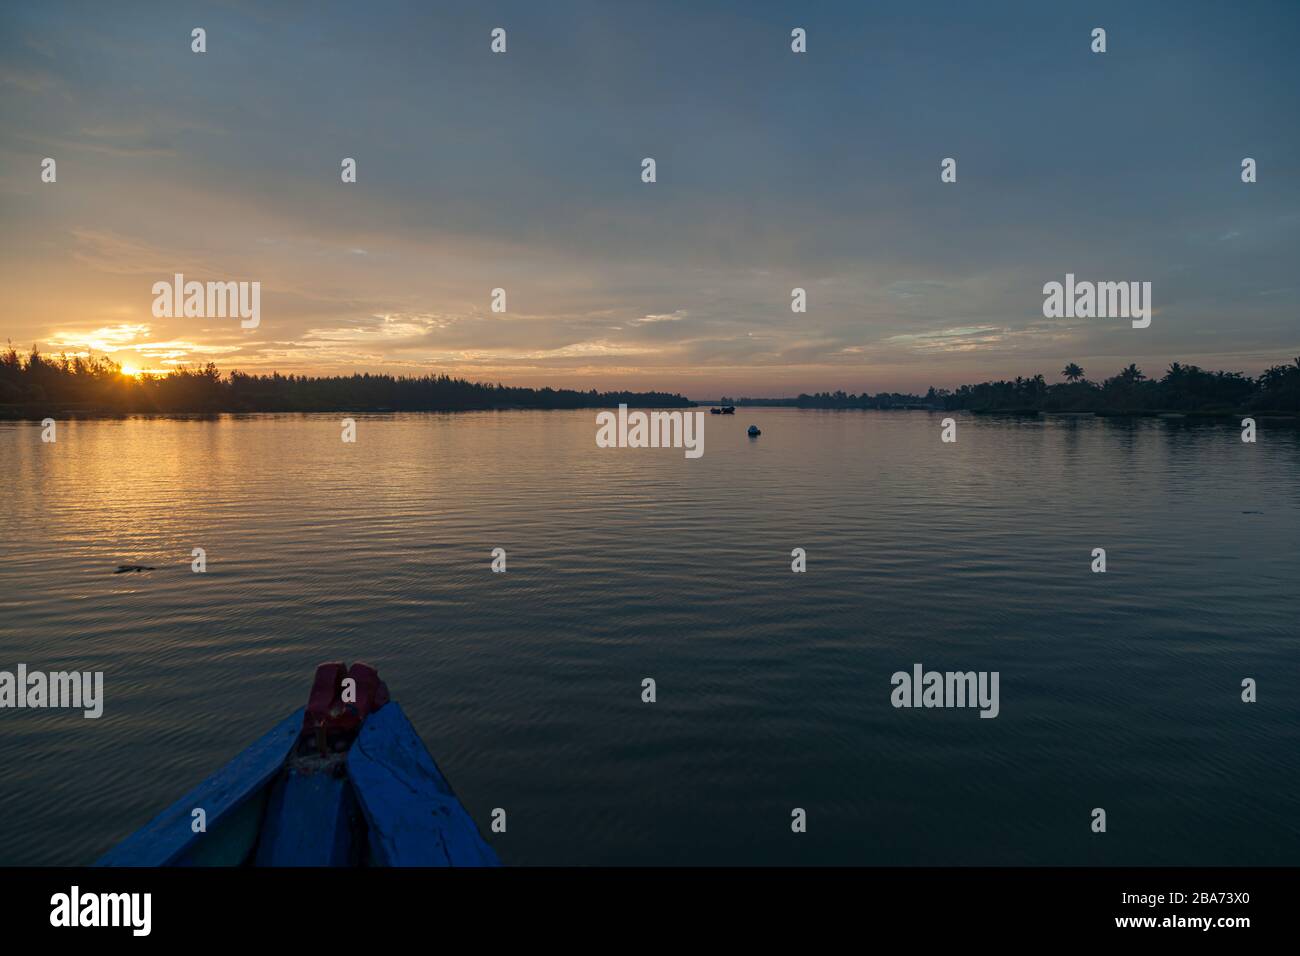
{"x":99,"y":385}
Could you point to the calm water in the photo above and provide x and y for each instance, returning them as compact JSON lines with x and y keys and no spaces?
{"x":1118,"y":690}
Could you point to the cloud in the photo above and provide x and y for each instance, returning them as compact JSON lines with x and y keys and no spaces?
{"x":390,"y":327}
{"x":106,"y":339}
{"x":109,"y":251}
{"x":676,"y":316}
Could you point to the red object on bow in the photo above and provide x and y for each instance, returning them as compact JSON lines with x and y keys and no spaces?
{"x":340,"y":701}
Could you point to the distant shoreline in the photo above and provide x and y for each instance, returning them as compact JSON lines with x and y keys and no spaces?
{"x":15,"y":413}
{"x":34,"y":412}
{"x":37,"y":386}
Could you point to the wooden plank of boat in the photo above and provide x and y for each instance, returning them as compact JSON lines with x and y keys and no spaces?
{"x":414,"y":817}
{"x":309,"y":822}
{"x":169,"y":837}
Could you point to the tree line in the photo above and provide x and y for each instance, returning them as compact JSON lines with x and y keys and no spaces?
{"x":1182,"y":388}
{"x":35,"y":382}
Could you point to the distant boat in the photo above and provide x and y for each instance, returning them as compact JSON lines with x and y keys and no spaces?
{"x":754,"y":432}
{"x":125,"y":568}
{"x":715,"y":411}
{"x":333,"y":784}
{"x":728,"y":409}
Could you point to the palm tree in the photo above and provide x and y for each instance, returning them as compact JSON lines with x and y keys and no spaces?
{"x":1072,"y":372}
{"x":1132,"y":375}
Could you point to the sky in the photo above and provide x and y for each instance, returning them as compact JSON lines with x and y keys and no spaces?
{"x":775,"y":170}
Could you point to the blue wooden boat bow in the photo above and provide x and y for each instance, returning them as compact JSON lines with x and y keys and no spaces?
{"x":333,"y":784}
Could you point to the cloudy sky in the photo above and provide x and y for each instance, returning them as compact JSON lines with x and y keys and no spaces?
{"x":775,"y":170}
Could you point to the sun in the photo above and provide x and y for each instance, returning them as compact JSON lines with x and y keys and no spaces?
{"x":130,"y":371}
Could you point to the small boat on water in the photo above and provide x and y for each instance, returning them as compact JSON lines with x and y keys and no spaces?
{"x":715,"y":410}
{"x":754,"y":432}
{"x":728,"y":409}
{"x":345,"y":781}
